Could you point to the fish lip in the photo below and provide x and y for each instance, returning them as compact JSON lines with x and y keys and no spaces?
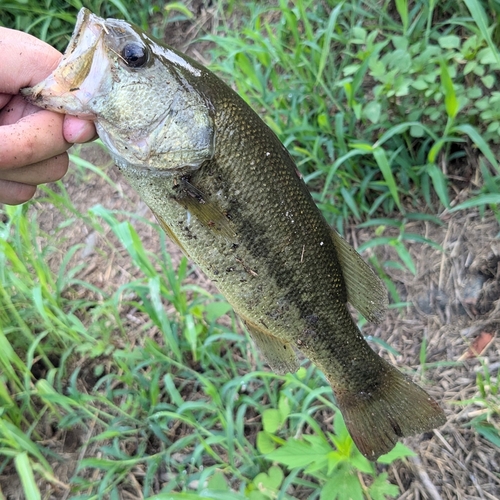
{"x":59,"y":91}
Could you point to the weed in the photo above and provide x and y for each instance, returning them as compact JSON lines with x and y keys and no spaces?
{"x":486,"y":421}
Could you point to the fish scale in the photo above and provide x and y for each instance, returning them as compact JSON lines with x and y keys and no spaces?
{"x":226,"y":190}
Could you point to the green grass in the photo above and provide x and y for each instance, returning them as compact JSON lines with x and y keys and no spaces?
{"x":371,"y":104}
{"x":54,"y":20}
{"x":375,"y":101}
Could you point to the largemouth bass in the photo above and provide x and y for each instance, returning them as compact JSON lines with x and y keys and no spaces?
{"x":227,"y":192}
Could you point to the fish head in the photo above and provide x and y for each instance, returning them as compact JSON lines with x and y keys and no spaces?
{"x":143,"y":96}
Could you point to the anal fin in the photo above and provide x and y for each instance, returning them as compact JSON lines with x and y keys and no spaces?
{"x":365,"y":290}
{"x":280,"y":355}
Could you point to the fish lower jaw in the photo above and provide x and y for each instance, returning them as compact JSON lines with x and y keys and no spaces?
{"x":66,"y":103}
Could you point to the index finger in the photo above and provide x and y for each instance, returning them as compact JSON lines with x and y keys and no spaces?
{"x":34,"y":138}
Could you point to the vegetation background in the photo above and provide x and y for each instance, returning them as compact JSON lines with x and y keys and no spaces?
{"x":123,"y":373}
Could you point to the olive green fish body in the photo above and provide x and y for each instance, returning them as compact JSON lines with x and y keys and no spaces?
{"x":225,"y":189}
{"x":274,"y":259}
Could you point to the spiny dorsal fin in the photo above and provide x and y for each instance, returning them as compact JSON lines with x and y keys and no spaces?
{"x":365,"y":290}
{"x":280,"y":355}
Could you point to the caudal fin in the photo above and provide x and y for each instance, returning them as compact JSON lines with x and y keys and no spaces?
{"x":396,"y":408}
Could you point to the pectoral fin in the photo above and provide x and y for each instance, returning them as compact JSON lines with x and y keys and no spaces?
{"x":365,"y":290}
{"x":206,"y":211}
{"x":280,"y":355}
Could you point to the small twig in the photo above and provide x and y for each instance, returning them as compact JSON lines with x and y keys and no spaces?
{"x":443,"y":259}
{"x":398,"y":479}
{"x":424,"y":477}
{"x":443,"y":440}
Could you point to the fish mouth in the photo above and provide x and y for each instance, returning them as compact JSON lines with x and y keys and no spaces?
{"x":69,"y":88}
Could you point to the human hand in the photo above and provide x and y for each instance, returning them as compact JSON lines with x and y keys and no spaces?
{"x":33,"y":142}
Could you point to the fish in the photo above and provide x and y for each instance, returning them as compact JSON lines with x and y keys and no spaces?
{"x":228,"y":193}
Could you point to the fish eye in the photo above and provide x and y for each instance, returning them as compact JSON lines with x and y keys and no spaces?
{"x":135,"y":55}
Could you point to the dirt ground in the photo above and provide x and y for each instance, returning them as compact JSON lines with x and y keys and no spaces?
{"x":453,"y":300}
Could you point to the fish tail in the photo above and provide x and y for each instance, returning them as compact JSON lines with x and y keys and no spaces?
{"x":396,"y":408}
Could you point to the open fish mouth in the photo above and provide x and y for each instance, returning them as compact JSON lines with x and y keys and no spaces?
{"x":79,"y":74}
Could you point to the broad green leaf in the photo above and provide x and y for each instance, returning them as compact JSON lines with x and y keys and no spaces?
{"x":265,"y":444}
{"x":359,"y":34}
{"x":284,"y":408}
{"x":420,"y":84}
{"x":417,"y":131}
{"x":486,"y":56}
{"x":214,"y":310}
{"x":218,"y":482}
{"x":297,"y":453}
{"x":372,"y":111}
{"x":398,"y":452}
{"x":488,"y":81}
{"x":271,"y":420}
{"x":381,"y":489}
{"x":270,"y":480}
{"x":342,"y":485}
{"x":449,"y":42}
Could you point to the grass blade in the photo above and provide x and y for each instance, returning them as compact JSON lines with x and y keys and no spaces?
{"x":479,"y":16}
{"x":326,"y":49}
{"x":23,"y":467}
{"x":450,"y":97}
{"x":477,"y":201}
{"x":385,"y":168}
{"x":479,"y":142}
